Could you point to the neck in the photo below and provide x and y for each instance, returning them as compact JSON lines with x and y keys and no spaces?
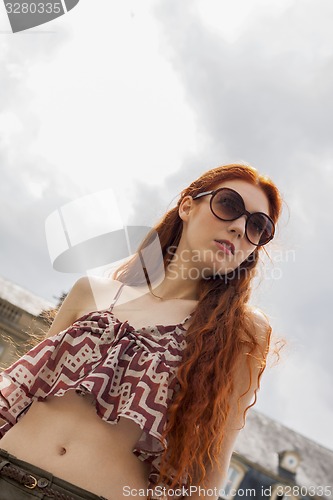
{"x":181,"y":278}
{"x":169,"y":289}
{"x":177,"y":283}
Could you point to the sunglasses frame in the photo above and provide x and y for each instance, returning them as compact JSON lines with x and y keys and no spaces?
{"x":245,"y":212}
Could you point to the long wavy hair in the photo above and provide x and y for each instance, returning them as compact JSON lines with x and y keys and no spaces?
{"x":215,"y":339}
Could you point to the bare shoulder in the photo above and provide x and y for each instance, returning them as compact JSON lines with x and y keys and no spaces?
{"x":88,"y":285}
{"x":87,"y":294}
{"x":259,"y":323}
{"x":92,"y":292}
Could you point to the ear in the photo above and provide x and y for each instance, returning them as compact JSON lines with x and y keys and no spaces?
{"x":185,"y":208}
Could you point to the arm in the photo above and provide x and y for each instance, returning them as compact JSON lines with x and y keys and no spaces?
{"x":216,"y":477}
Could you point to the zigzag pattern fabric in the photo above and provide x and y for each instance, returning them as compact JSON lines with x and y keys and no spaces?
{"x":130,"y":373}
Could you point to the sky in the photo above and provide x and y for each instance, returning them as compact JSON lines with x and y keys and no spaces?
{"x":131,"y":101}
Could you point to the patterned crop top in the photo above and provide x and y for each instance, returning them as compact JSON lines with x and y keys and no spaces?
{"x":130,"y":373}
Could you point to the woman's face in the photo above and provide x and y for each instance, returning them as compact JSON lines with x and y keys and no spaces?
{"x":203,"y":233}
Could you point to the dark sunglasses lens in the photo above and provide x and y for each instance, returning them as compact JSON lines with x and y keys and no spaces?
{"x":227,"y":205}
{"x":259,"y":229}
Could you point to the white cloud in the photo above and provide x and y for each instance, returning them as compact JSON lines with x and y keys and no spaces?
{"x":110,"y":109}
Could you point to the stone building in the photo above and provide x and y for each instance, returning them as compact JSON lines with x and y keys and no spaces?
{"x":20,"y":317}
{"x":274,"y":462}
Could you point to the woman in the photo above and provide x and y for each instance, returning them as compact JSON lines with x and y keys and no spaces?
{"x":162,"y":405}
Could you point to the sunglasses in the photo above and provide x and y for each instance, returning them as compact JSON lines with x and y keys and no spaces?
{"x":226,"y":204}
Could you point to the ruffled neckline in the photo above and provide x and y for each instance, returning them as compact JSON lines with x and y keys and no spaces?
{"x":116,"y":320}
{"x":150,"y":327}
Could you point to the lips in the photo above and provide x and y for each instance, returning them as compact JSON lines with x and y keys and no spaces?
{"x":227,"y":244}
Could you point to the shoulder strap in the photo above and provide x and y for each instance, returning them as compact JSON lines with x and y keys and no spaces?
{"x":116,"y":296}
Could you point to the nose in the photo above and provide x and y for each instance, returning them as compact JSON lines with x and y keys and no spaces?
{"x":238,"y":226}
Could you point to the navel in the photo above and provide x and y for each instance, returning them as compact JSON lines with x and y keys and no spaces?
{"x":62,"y":451}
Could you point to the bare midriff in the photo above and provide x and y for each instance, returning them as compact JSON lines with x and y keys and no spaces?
{"x":65,"y":436}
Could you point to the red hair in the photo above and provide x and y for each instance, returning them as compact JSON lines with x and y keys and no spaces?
{"x":215,"y":339}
